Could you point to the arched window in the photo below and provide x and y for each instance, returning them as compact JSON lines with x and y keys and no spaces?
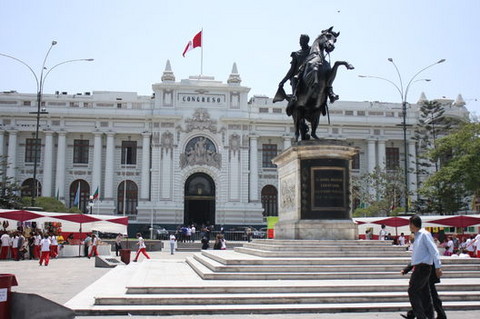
{"x":79,"y":195}
{"x":27,"y":188}
{"x":128,"y":198}
{"x":270,"y":201}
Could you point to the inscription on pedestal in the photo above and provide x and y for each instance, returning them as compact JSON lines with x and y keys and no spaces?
{"x":324,"y":189}
{"x":328,"y":188}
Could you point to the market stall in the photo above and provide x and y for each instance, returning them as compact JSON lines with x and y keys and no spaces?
{"x":73,"y":228}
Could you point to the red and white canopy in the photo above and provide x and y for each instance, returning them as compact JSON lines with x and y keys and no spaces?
{"x":70,"y":222}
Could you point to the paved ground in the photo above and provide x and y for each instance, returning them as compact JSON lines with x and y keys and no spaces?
{"x":66,"y":277}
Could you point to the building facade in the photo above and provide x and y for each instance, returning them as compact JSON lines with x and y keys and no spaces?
{"x":195,"y":151}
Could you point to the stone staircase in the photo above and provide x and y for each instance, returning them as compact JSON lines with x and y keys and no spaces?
{"x":281,"y":276}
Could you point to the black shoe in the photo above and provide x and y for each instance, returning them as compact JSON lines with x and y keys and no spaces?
{"x":409,"y":315}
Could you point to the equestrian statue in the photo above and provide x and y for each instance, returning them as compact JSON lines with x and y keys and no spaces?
{"x":311,"y":77}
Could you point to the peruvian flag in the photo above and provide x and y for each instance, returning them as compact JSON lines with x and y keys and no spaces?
{"x":95,"y":195}
{"x":195,"y":42}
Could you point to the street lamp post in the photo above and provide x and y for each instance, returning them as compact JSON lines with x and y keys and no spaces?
{"x":40,"y":85}
{"x":403,"y":96}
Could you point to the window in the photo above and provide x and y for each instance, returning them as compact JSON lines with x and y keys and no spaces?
{"x":128,"y":198}
{"x":28,"y":188}
{"x":269,"y":151}
{"x":356,"y":161}
{"x":80,"y":151}
{"x":79,"y":195}
{"x":270,"y":201}
{"x":393,"y":158}
{"x":129,"y":152}
{"x":30,"y":147}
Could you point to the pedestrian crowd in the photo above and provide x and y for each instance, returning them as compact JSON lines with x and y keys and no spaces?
{"x":30,"y":244}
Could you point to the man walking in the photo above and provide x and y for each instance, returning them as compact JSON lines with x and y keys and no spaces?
{"x":424,"y":255}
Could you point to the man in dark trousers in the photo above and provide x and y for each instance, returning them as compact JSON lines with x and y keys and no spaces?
{"x":437,"y":303}
{"x":424,"y":256}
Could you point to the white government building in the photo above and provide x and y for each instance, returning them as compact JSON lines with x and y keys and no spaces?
{"x":195,"y":151}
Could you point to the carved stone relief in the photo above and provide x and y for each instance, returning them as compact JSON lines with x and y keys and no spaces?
{"x":201,"y":120}
{"x":234,"y":142}
{"x":167,"y":140}
{"x":200,"y":151}
{"x":287,"y":197}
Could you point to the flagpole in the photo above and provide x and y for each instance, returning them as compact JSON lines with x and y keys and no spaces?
{"x":79,"y":195}
{"x":201,"y":55}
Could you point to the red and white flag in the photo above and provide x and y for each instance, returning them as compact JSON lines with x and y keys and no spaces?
{"x":195,"y":42}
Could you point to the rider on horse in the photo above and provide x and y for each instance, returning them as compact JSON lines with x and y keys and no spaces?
{"x":316,"y":59}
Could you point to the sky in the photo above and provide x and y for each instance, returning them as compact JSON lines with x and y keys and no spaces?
{"x":132,"y":40}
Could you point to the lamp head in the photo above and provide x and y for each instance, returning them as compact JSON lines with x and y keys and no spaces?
{"x":89,"y":60}
{"x":390,"y":59}
{"x":54,"y":42}
{"x":441,"y":61}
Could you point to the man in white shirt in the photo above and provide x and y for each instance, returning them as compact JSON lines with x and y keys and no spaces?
{"x":194,"y":230}
{"x":382,"y":234}
{"x":173,"y":241}
{"x":476,"y":244}
{"x":424,"y":255}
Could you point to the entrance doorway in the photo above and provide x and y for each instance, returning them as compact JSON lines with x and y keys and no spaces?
{"x":199,"y":206}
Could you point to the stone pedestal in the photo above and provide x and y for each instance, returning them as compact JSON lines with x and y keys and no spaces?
{"x":315,"y":191}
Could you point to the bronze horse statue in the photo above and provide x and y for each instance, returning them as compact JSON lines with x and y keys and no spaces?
{"x":315,"y":80}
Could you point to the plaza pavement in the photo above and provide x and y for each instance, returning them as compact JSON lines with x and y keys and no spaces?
{"x":64,"y":278}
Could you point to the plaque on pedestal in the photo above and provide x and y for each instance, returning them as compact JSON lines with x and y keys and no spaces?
{"x":315,"y":191}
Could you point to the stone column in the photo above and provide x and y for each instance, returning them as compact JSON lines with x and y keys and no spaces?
{"x":145,"y":186}
{"x":109,"y":162}
{"x":381,"y":155}
{"x":47,"y":165}
{"x":253,"y":168}
{"x":287,"y":142}
{"x":2,"y":142}
{"x":97,"y":162}
{"x":372,"y":156}
{"x":60,"y":173}
{"x":412,"y":173}
{"x":12,"y":155}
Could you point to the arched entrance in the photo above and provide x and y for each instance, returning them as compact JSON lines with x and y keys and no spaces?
{"x":199,"y":205}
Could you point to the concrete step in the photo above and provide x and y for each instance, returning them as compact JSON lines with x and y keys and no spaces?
{"x":126,"y":310}
{"x":314,"y":253}
{"x":352,"y":266}
{"x":340,"y":286}
{"x":208,"y":274}
{"x":197,"y":246}
{"x":228,"y":257}
{"x":305,"y":242}
{"x":330,"y":247}
{"x":274,"y":298}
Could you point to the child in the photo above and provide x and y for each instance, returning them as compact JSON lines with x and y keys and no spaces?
{"x":141,"y":247}
{"x":45,"y":250}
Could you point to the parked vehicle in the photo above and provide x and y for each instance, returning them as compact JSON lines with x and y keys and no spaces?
{"x":261,"y":233}
{"x":159,"y":232}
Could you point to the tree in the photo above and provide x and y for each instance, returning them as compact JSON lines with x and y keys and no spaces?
{"x":9,"y":188}
{"x":379,"y":192}
{"x":51,"y":204}
{"x":432,"y":125}
{"x":459,"y":174}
